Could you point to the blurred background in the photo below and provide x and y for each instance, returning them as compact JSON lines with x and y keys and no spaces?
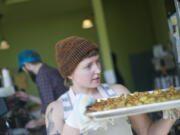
{"x":138,"y":39}
{"x":133,"y":28}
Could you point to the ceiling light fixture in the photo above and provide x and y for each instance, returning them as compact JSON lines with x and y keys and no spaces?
{"x":87,"y":23}
{"x":3,"y":43}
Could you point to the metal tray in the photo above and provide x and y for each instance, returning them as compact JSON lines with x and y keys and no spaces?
{"x":133,"y":110}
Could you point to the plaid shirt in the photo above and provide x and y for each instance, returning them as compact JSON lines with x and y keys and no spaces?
{"x":50,"y":85}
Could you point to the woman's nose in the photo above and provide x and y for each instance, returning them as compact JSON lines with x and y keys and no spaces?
{"x":97,"y":68}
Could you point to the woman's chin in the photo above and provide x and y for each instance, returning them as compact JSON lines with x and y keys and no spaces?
{"x":96,"y":84}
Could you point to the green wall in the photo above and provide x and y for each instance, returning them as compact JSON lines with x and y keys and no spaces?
{"x":160,"y":22}
{"x":130,"y":31}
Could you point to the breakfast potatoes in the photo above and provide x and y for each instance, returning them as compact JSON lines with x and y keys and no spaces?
{"x":134,"y":99}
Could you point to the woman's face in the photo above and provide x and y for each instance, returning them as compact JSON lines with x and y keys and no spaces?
{"x":87,"y":73}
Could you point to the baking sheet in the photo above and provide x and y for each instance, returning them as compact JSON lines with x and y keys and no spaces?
{"x":133,"y":110}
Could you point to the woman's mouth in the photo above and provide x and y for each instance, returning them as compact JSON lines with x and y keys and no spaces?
{"x":96,"y":79}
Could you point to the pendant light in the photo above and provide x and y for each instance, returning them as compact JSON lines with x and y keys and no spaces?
{"x":87,"y":22}
{"x":3,"y":43}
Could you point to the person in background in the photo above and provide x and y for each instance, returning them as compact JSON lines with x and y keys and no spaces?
{"x":78,"y":62}
{"x":49,"y":83}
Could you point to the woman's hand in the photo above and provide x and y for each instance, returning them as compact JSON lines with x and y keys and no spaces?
{"x":172,"y":114}
{"x":77,"y":118}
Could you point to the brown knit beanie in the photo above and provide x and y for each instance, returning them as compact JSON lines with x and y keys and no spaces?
{"x":70,"y":52}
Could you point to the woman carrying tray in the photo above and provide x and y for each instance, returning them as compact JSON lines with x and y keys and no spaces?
{"x":78,"y":62}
